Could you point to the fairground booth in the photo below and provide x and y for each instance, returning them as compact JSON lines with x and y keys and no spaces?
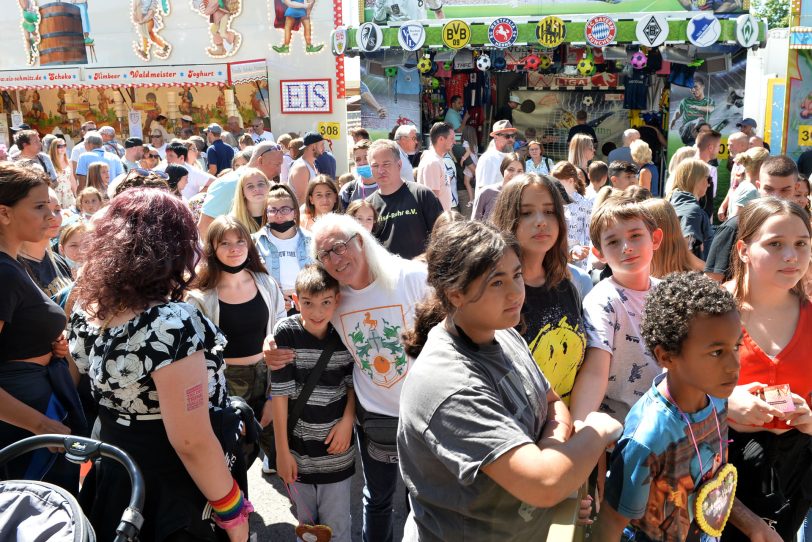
{"x":139,"y":64}
{"x":667,"y":63}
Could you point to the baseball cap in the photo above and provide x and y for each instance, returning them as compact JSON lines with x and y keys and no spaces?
{"x":22,"y":126}
{"x":312,"y":137}
{"x":187,"y":118}
{"x":131,"y":142}
{"x":747,"y":122}
{"x":502,"y":127}
{"x":514,"y":98}
{"x":214,"y":128}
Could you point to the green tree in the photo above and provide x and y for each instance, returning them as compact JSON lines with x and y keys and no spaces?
{"x":775,"y":11}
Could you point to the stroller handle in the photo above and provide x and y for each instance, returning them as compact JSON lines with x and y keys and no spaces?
{"x":79,"y":450}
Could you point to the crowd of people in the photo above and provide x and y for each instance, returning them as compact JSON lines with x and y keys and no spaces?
{"x":499,"y":330}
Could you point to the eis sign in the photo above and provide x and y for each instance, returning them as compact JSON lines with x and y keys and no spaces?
{"x":306,"y":96}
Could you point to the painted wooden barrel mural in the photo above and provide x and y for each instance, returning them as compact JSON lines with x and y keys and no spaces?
{"x":62,"y":39}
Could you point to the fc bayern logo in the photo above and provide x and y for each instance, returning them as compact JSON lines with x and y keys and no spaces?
{"x":600,"y":31}
{"x":503,"y":33}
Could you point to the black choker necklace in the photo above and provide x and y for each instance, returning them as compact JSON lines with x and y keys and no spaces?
{"x":234,"y":269}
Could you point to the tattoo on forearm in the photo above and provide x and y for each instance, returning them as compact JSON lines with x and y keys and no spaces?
{"x":194,"y":397}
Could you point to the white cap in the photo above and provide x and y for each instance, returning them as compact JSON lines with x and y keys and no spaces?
{"x":514,"y":98}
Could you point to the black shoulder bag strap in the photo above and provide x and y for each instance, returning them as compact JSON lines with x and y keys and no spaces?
{"x":312,"y":380}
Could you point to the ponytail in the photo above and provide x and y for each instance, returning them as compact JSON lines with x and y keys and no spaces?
{"x":427,"y":314}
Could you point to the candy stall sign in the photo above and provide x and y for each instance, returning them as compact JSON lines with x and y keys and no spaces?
{"x":306,"y":96}
{"x":214,"y":74}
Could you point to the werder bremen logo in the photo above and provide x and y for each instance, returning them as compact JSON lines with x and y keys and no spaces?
{"x":378,"y":349}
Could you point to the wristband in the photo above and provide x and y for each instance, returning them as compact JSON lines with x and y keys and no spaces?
{"x":228,"y":507}
{"x":241,"y":517}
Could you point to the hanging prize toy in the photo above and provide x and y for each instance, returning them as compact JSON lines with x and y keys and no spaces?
{"x":639,"y":60}
{"x":586,"y":66}
{"x":532,"y":62}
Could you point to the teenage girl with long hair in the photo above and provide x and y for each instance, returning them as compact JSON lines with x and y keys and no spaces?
{"x":581,"y":152}
{"x":235,"y":292}
{"x":283,"y":246}
{"x":673,"y":255}
{"x":483,"y":204}
{"x":578,"y":211}
{"x":510,"y":446}
{"x":774,"y":459}
{"x":66,"y":185}
{"x":98,"y":177}
{"x":531,"y":208}
{"x":249,"y":199}
{"x":321,"y":198}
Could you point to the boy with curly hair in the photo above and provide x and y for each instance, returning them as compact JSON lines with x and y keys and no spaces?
{"x":675,"y":436}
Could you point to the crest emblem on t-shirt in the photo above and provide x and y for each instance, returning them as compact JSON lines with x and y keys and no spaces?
{"x":375,"y":338}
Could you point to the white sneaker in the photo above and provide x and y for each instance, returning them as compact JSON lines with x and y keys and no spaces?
{"x":266,"y":468}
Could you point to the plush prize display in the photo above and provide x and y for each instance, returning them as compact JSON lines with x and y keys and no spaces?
{"x":639,"y":60}
{"x":424,"y":64}
{"x":391,"y":71}
{"x":532,"y":62}
{"x":483,"y":63}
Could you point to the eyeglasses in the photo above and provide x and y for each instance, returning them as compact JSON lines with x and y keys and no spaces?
{"x":338,"y":249}
{"x":272,"y":211}
{"x":61,"y":146}
{"x":155,"y":136}
{"x":155,"y":156}
{"x":508,"y":136}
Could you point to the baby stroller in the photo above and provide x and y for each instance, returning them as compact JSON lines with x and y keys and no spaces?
{"x":34,"y":511}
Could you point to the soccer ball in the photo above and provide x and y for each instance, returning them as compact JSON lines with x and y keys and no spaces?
{"x":500,"y":63}
{"x":435,"y":83}
{"x":483,"y":63}
{"x":588,"y":101}
{"x":586,"y":66}
{"x":391,"y":71}
{"x":424,"y":64}
{"x":531,"y":62}
{"x":447,"y":66}
{"x":545,"y":62}
{"x":639,"y":60}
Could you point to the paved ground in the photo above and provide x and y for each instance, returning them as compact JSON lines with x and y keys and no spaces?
{"x":275,"y":517}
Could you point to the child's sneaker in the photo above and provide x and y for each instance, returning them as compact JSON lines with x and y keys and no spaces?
{"x":266,"y":468}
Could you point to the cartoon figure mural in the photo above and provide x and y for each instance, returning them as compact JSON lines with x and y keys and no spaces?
{"x":260,"y":99}
{"x":147,"y":16}
{"x":82,"y":5}
{"x":290,"y":15}
{"x":225,"y":41}
{"x":30,"y":26}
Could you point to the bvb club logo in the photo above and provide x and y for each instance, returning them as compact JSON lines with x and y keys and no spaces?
{"x":456,"y":34}
{"x":551,"y":32}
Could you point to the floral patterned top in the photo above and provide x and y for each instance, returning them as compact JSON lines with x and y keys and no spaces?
{"x":64,"y":190}
{"x":120,"y":360}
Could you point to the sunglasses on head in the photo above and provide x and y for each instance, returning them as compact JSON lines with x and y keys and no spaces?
{"x":147,"y":172}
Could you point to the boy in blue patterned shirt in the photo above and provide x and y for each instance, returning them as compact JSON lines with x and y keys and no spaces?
{"x":675,"y":436}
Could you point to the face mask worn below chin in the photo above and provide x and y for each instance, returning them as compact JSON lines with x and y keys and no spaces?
{"x":282,"y":227}
{"x":234,"y":269}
